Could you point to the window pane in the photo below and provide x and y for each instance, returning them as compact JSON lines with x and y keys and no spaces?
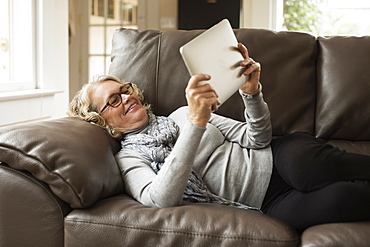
{"x":109,"y":38}
{"x":21,"y":44}
{"x":17,"y":45}
{"x":97,"y":12}
{"x":96,"y":40}
{"x":114,"y":12}
{"x":113,"y":16}
{"x":346,"y":17}
{"x":96,"y":66}
{"x":129,"y":13}
{"x":102,"y":27}
{"x":107,"y":64}
{"x":327,"y":17}
{"x":4,"y":42}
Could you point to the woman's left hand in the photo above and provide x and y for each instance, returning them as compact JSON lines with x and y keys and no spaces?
{"x":252,"y":68}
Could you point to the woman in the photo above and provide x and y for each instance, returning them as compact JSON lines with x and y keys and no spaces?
{"x":198,"y":156}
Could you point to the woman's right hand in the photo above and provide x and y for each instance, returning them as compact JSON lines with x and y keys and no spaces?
{"x":202,"y":100}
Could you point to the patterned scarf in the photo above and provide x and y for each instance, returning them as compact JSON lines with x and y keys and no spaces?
{"x":156,"y":143}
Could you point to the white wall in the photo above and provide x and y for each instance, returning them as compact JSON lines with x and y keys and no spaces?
{"x":53,"y":52}
{"x":261,"y":13}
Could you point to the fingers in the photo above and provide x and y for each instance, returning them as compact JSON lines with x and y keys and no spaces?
{"x":196,"y":91}
{"x":195,"y":88}
{"x":251,"y":66}
{"x":248,"y":63}
{"x":202,"y":100}
{"x":252,"y":69}
{"x":243,"y":50}
{"x":195,"y":79}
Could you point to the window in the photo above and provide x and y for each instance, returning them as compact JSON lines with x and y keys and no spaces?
{"x":327,"y":17}
{"x":105,"y":17}
{"x":17,"y":45}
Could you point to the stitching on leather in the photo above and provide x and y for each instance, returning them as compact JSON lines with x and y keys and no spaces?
{"x":182,"y":233}
{"x":157,"y":71}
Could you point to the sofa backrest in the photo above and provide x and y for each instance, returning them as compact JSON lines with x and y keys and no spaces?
{"x":343,"y":88}
{"x":151,"y":59}
{"x":316,"y":85}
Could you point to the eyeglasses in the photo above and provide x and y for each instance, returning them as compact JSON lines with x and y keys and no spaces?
{"x":116,"y":99}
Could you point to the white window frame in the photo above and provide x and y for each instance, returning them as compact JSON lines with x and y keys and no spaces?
{"x":15,"y":83}
{"x":268,"y":14}
{"x":50,"y":98}
{"x":105,"y":23}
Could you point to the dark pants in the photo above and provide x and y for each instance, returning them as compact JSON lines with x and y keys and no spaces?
{"x":315,"y":183}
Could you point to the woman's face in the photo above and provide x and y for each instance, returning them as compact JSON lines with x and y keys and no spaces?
{"x":129,"y":115}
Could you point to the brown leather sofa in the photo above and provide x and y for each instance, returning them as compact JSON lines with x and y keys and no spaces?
{"x":60,"y":185}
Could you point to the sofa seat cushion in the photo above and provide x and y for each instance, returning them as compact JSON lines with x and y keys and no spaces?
{"x":75,"y":158}
{"x":122,"y":221}
{"x":337,"y":235}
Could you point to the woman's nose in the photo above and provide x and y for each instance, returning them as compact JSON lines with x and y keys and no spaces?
{"x":125,"y":98}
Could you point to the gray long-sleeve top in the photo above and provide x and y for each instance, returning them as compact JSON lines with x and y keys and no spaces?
{"x":233,"y":158}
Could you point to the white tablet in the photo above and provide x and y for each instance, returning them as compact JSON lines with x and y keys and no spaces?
{"x":215,"y":52}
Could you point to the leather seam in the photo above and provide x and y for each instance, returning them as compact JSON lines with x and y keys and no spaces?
{"x":157,"y":72}
{"x":182,"y":232}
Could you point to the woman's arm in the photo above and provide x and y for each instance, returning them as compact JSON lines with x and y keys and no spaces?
{"x":252,"y":71}
{"x":166,"y":188}
{"x":256,"y":132}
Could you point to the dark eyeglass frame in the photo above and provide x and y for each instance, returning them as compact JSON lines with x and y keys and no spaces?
{"x":115,"y":99}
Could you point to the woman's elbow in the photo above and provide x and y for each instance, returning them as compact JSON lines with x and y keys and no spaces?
{"x":165,"y":204}
{"x":162,"y":201}
{"x":260,"y":143}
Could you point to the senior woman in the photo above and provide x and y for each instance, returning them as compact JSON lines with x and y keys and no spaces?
{"x":199,"y":156}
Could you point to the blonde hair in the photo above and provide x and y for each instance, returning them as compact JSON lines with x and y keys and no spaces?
{"x":81,"y":105}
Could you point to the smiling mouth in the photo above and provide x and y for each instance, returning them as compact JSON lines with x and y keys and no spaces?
{"x":131,"y":107}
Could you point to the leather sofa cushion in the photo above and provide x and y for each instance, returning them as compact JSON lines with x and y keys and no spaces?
{"x":151,"y":59}
{"x":350,"y":234}
{"x":122,"y":221}
{"x":75,"y":158}
{"x":343,"y":87}
{"x":359,"y":147}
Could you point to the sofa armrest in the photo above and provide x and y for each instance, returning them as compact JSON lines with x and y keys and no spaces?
{"x":74,"y":158}
{"x":31,"y":215}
